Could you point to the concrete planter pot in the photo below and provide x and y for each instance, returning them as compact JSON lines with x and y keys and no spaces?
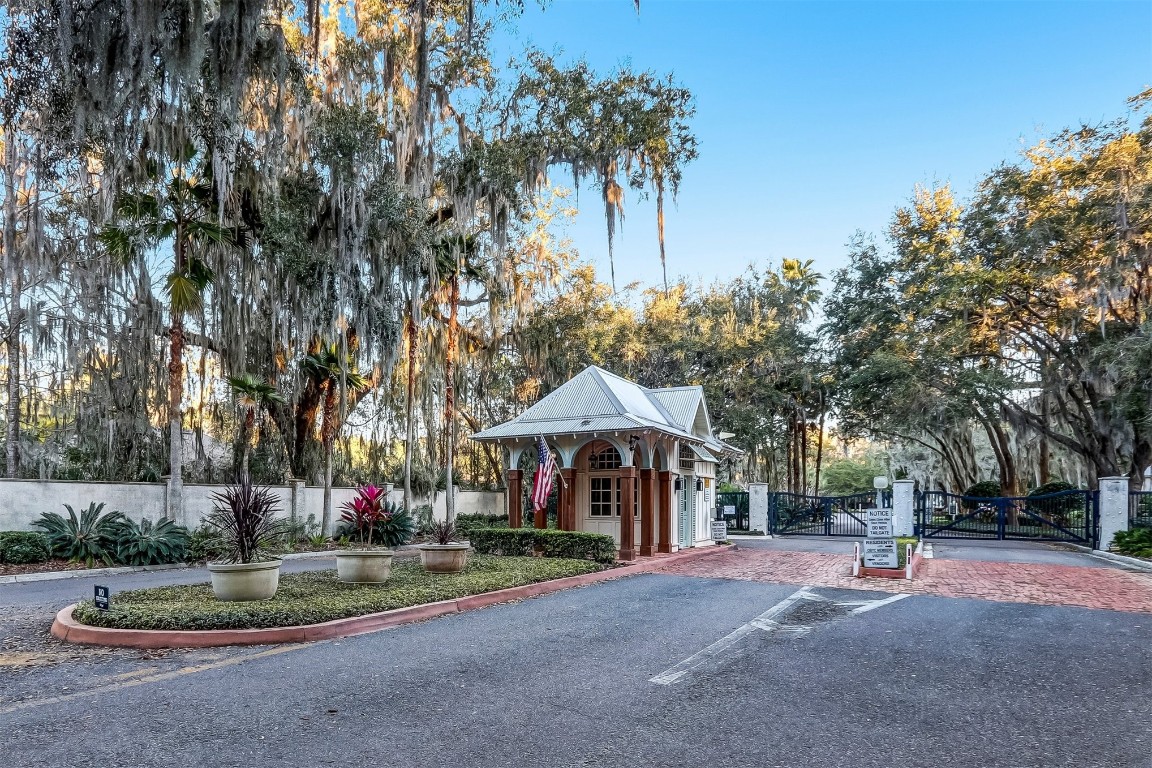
{"x":364,"y":566}
{"x":444,"y":558}
{"x":234,"y":582}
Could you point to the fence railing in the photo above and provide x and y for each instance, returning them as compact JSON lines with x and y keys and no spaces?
{"x":1140,"y":509}
{"x":1064,"y":516}
{"x":797,"y":514}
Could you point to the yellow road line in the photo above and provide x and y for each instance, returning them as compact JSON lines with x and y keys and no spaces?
{"x":162,"y":677}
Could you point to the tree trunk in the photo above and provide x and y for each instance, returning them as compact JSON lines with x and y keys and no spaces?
{"x":12,"y":272}
{"x":450,"y":393}
{"x":175,"y":508}
{"x":820,"y":443}
{"x":327,"y":438}
{"x":409,"y":406}
{"x":1045,"y":458}
{"x":249,"y":421}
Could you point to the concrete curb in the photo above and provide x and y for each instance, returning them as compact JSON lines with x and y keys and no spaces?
{"x":20,"y":578}
{"x":1134,"y":562}
{"x":69,"y":630}
{"x":83,"y":572}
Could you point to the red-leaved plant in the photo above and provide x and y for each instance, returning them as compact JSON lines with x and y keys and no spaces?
{"x":364,"y":512}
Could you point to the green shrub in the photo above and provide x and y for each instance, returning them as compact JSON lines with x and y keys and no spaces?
{"x":148,"y":544}
{"x":575,"y":545}
{"x":985,"y":489}
{"x":89,"y":537}
{"x":23,"y":547}
{"x":1134,"y":543}
{"x":511,"y":542}
{"x":1058,"y":509}
{"x":205,"y":543}
{"x":466,"y":523}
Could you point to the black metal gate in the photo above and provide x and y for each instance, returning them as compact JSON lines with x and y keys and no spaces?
{"x":1065,"y":516}
{"x":801,"y":514}
{"x":737,"y":516}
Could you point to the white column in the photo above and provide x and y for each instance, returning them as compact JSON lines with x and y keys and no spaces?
{"x":1113,"y":509}
{"x":903,"y":507}
{"x":758,"y":506}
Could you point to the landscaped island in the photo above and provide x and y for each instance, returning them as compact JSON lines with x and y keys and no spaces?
{"x":315,"y":597}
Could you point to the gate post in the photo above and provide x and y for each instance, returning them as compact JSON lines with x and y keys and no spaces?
{"x":903,"y":504}
{"x":773,"y":512}
{"x":1113,"y":510}
{"x":826,"y":503}
{"x":758,"y":507}
{"x":1001,"y":513}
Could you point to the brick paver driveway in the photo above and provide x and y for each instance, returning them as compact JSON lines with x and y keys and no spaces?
{"x":1041,"y":584}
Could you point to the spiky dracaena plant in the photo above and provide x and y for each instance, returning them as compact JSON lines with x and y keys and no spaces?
{"x":246,"y":518}
{"x":148,"y":544}
{"x":87,"y":537}
{"x":443,"y":532}
{"x":364,"y":512}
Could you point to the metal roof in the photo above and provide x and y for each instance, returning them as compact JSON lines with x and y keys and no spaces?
{"x":680,"y":402}
{"x":703,"y":454}
{"x":596,"y":401}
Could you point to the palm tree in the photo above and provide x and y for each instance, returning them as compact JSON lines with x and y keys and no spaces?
{"x":454,"y":261}
{"x":184,"y":211}
{"x":252,"y":395}
{"x":335,"y":371}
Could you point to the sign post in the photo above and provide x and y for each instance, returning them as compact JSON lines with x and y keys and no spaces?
{"x":101,"y":598}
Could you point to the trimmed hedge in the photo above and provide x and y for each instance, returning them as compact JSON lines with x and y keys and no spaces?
{"x":510,"y":542}
{"x":318,"y":596}
{"x":466,"y":523}
{"x":23,"y":548}
{"x":518,"y":542}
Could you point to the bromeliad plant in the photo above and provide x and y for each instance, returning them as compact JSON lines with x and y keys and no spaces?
{"x":247,"y":522}
{"x":87,"y":537}
{"x":365,"y":512}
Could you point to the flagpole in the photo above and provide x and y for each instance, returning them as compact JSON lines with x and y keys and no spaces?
{"x":555,"y":469}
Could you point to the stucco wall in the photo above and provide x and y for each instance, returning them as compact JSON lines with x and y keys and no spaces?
{"x":22,"y":501}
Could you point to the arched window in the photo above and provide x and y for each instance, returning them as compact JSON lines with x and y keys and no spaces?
{"x":605,"y":458}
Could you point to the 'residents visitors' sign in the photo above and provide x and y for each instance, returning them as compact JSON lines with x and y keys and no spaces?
{"x":880,"y":553}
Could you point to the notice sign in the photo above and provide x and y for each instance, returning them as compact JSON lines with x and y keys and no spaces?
{"x":101,"y":598}
{"x":880,"y":553}
{"x":729,"y":509}
{"x":719,"y":530}
{"x":880,"y":524}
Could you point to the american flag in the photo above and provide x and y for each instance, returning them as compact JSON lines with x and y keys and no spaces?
{"x":542,"y":486}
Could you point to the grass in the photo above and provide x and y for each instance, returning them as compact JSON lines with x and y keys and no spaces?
{"x":317,"y":596}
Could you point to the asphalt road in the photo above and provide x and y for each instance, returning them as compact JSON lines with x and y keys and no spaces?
{"x":565,"y":680}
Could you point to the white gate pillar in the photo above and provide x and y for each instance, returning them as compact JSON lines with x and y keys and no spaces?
{"x":1113,"y":509}
{"x":903,"y":507}
{"x":758,"y":507}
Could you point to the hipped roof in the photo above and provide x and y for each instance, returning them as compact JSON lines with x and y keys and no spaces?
{"x":598,"y":401}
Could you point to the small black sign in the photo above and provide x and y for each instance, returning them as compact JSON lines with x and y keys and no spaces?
{"x":101,"y":598}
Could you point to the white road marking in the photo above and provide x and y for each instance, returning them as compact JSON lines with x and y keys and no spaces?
{"x":878,"y":603}
{"x":762,"y":622}
{"x":765,"y":622}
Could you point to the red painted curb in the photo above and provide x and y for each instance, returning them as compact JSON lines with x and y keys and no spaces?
{"x":69,"y":630}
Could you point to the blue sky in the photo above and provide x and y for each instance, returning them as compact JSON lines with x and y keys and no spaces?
{"x":816,"y":119}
